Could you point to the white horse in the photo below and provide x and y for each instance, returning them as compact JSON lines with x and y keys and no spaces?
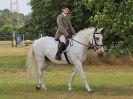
{"x":77,"y":52}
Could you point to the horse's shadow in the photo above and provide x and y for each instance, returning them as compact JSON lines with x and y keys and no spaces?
{"x":101,"y":90}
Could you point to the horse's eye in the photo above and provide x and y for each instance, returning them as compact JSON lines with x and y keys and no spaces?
{"x":97,"y":38}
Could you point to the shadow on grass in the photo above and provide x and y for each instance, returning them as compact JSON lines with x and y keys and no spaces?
{"x":61,"y":89}
{"x":113,"y":90}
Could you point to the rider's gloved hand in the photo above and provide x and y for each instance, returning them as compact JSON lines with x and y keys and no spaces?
{"x":70,"y":35}
{"x":56,"y":39}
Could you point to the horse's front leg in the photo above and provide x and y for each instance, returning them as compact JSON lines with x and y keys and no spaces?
{"x":83,"y":76}
{"x":71,"y":79}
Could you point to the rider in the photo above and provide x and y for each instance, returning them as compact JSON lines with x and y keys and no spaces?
{"x":65,"y":29}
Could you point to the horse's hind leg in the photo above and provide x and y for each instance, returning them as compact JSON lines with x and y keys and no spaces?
{"x":41,"y":67}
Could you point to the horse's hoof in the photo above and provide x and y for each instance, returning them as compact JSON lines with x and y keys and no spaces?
{"x":91,"y":91}
{"x":38,"y":88}
{"x":70,"y":89}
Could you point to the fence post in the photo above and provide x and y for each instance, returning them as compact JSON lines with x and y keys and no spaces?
{"x":14,"y":40}
{"x":23,"y":37}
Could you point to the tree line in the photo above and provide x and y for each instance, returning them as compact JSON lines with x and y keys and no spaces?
{"x":116,"y":16}
{"x":10,"y":22}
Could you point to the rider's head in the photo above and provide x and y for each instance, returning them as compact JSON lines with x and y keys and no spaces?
{"x":66,"y":8}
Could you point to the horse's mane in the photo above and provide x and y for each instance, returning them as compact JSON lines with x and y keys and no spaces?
{"x":86,"y":30}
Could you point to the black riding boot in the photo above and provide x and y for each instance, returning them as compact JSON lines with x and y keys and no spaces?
{"x":60,"y":50}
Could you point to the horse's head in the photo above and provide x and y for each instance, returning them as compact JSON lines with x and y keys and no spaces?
{"x":97,"y":40}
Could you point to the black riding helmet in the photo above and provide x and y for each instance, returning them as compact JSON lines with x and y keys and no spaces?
{"x":67,"y":5}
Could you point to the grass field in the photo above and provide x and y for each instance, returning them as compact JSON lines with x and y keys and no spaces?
{"x":108,"y":82}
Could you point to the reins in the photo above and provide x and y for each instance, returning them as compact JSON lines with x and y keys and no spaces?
{"x":72,"y":39}
{"x":80,"y":43}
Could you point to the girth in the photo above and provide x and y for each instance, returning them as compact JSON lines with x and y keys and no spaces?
{"x":65,"y":54}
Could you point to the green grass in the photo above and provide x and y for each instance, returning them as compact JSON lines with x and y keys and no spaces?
{"x":12,"y":61}
{"x":108,"y":82}
{"x":13,"y":57}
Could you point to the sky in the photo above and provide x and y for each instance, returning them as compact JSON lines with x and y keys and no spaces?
{"x":23,"y":6}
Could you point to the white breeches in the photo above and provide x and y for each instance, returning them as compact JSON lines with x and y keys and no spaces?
{"x":62,"y":39}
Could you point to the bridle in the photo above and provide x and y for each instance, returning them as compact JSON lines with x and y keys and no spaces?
{"x":88,"y":46}
{"x":94,"y":37}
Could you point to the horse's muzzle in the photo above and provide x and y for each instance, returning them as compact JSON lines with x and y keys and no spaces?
{"x":99,"y":49}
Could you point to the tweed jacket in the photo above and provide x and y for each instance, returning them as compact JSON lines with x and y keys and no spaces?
{"x":64,"y":26}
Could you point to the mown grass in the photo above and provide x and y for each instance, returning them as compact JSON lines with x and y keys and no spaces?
{"x":13,"y":57}
{"x":108,"y":82}
{"x":12,"y":61}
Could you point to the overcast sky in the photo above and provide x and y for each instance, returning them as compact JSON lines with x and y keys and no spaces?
{"x":23,"y":6}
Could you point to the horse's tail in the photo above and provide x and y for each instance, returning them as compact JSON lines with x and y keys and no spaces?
{"x":32,"y":67}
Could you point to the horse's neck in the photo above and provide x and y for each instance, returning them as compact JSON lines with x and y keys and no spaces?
{"x":79,"y":48}
{"x":83,"y":39}
{"x":84,"y":36}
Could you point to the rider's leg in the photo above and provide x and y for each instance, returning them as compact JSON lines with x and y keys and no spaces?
{"x":61,"y":47}
{"x":62,"y":39}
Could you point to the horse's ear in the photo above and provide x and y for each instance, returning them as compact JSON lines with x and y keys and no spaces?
{"x":101,"y":29}
{"x":96,"y":29}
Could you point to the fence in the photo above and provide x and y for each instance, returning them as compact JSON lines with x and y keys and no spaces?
{"x":10,"y":40}
{"x":6,"y":40}
{"x":15,"y":40}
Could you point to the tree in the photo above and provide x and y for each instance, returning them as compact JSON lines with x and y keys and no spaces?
{"x":45,"y":13}
{"x":116,"y":16}
{"x":117,"y":19}
{"x":9,"y":22}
